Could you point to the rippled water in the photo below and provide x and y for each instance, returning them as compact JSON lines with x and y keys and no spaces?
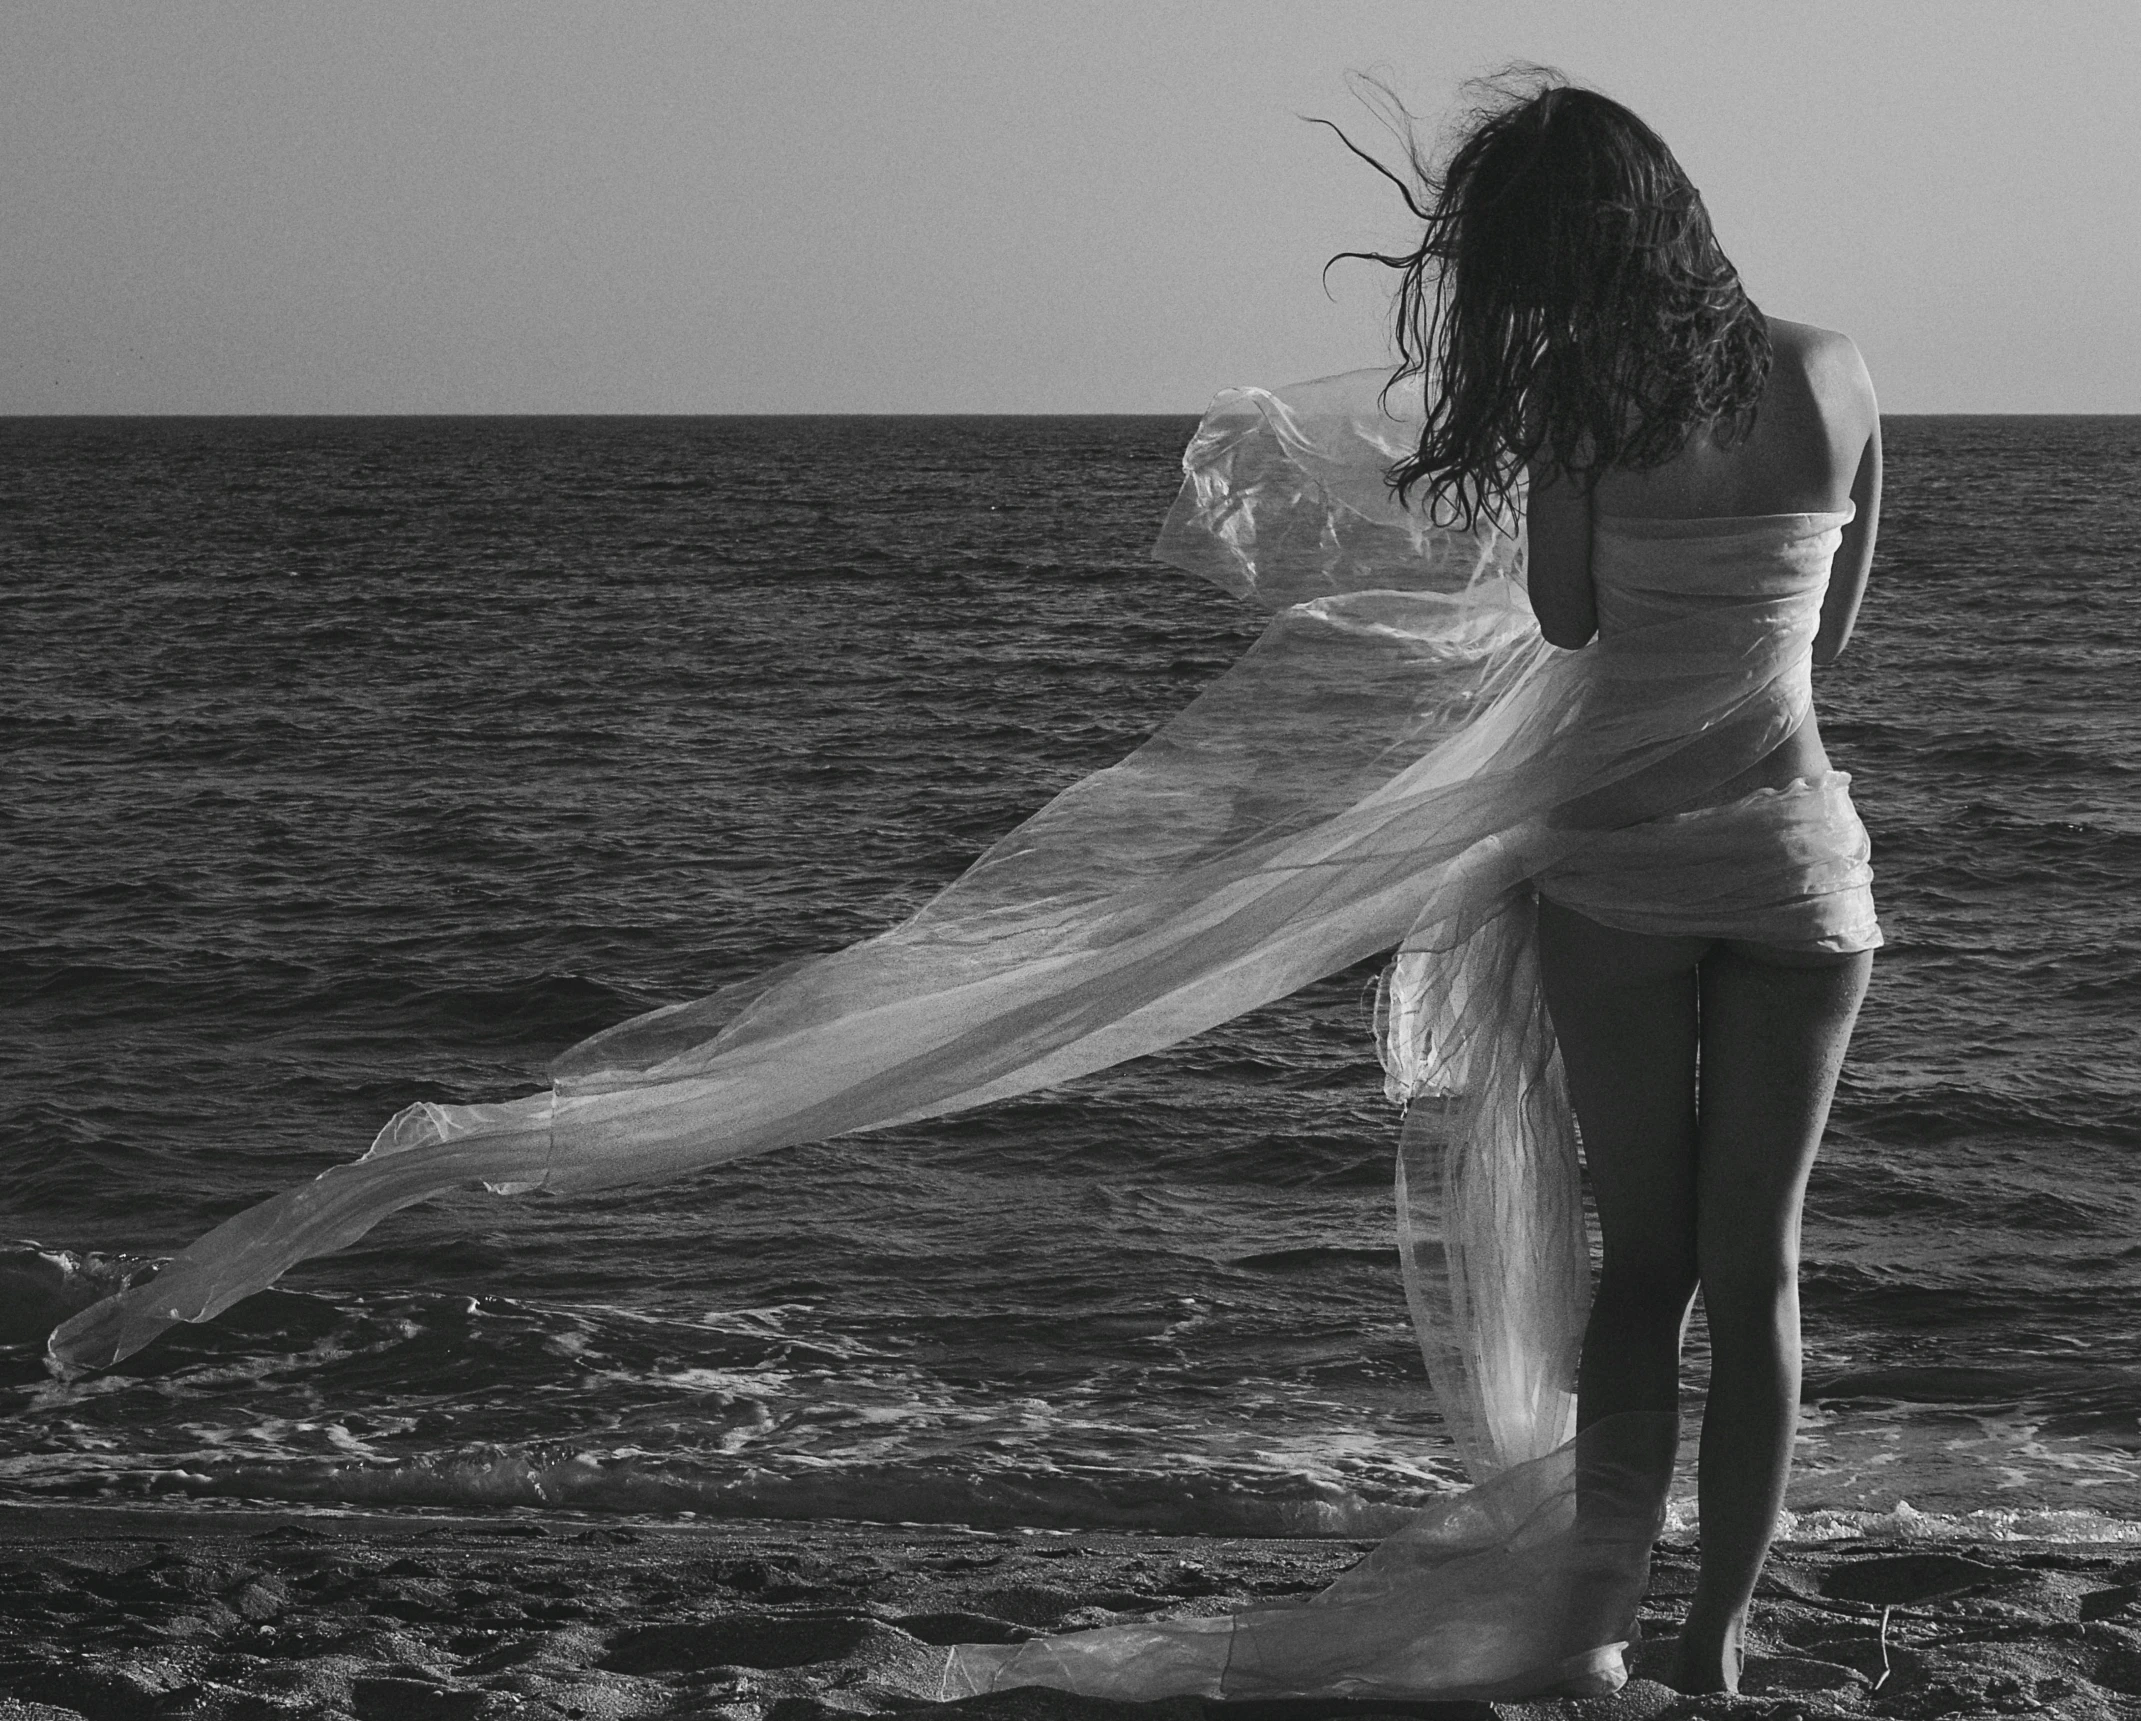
{"x":350,"y":762}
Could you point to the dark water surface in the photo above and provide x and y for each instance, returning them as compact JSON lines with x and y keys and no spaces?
{"x":350,"y":762}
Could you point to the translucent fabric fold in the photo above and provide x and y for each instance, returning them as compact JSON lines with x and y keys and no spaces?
{"x":1388,"y":767}
{"x":1491,"y":1234}
{"x":1524,"y":1586}
{"x":1790,"y":866}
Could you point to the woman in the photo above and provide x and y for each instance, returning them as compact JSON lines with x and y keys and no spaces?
{"x":1589,"y":327}
{"x":1696,"y":1184}
{"x":1392,"y":764}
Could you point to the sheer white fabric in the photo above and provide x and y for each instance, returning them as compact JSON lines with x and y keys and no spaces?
{"x":1388,"y":767}
{"x":1788,"y":866}
{"x":1524,"y":1585}
{"x":1490,"y":1204}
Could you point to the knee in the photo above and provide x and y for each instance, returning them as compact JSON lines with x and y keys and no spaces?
{"x":1750,"y":1292}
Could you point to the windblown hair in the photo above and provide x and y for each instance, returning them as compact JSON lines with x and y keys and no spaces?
{"x":1568,"y":303}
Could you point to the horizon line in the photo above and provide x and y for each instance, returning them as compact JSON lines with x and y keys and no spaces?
{"x":1186,"y":412}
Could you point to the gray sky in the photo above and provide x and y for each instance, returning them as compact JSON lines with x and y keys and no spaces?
{"x":1008,"y":205}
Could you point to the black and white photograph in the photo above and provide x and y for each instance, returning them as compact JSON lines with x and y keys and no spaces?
{"x":992,"y":861}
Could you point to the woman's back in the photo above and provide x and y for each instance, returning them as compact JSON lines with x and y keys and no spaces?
{"x":1814,"y":448}
{"x":1802,"y":456}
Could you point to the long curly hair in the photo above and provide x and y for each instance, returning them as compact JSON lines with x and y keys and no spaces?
{"x":1567,"y":301}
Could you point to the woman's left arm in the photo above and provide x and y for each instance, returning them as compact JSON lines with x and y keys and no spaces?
{"x":1854,"y":556}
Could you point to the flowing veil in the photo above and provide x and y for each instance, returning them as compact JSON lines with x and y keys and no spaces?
{"x":1385,"y":769}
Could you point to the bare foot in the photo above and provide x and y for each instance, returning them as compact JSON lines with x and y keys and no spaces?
{"x":1707,"y":1658}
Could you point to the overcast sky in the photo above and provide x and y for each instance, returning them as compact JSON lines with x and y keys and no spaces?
{"x":1009,"y":205}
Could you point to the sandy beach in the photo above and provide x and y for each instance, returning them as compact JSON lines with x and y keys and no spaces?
{"x":133,"y":1613}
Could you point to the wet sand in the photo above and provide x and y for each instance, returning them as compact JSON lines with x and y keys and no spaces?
{"x":143,"y":1613}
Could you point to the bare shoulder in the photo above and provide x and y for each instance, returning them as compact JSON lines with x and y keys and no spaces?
{"x":1829,"y":362}
{"x":1829,"y":373}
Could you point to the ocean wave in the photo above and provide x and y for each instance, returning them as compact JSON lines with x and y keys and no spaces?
{"x":1118,"y":1499}
{"x":1115,"y":1498}
{"x":1930,"y":1116}
{"x":1903,"y":1522}
{"x":1317,"y":1255}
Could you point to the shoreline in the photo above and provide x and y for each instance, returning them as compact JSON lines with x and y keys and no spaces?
{"x":142,"y":1611}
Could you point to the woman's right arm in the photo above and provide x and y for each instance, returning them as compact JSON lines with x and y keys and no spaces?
{"x":1854,"y":556}
{"x":1557,"y":565}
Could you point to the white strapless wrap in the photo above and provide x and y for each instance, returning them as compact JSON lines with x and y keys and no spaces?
{"x":1388,"y":767}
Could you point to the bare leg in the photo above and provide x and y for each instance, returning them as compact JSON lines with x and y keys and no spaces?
{"x":1773,"y":1040}
{"x":1624,"y":1012}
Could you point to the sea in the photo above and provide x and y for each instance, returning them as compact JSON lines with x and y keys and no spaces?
{"x":347,"y":762}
